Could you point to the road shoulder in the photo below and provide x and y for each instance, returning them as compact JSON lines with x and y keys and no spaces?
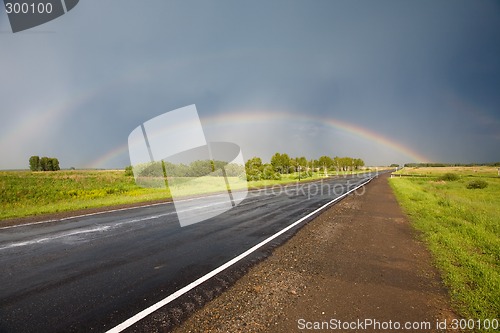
{"x":358,"y":260}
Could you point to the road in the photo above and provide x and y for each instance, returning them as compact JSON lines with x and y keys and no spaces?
{"x":91,"y":273}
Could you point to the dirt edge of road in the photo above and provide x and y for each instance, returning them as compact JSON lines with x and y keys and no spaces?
{"x":360,"y":260}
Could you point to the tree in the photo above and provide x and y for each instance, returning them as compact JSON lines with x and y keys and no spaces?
{"x":253,"y":168}
{"x":269,"y":173}
{"x":357,"y":162}
{"x":301,"y":165}
{"x":253,"y":163}
{"x":46,"y":163}
{"x":35,"y":163}
{"x":50,"y":165}
{"x":285,"y":160}
{"x":200,"y":168}
{"x":326,"y":163}
{"x":343,"y":163}
{"x":234,"y":170}
{"x":281,"y":163}
{"x":315,"y":165}
{"x":302,"y":162}
{"x":55,"y":162}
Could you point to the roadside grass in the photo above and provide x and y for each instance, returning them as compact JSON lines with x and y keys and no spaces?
{"x":26,"y":193}
{"x":477,"y":171}
{"x":461,"y":227}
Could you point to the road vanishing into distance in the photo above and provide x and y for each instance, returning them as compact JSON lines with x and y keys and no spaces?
{"x":91,"y":273}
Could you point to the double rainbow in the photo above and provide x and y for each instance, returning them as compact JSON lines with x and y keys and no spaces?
{"x":249,"y":118}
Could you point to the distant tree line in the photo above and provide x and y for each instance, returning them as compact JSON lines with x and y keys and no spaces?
{"x":44,"y":163}
{"x":197,"y":168}
{"x":284,"y":164}
{"x":254,"y":168}
{"x":423,"y":165}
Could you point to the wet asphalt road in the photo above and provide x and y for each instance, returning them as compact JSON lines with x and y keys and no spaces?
{"x":92,"y":273}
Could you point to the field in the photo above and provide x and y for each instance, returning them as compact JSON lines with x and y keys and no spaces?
{"x":477,"y":171}
{"x":461,"y":225}
{"x":25,"y":193}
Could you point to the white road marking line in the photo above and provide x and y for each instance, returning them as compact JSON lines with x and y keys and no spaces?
{"x":144,"y":313}
{"x":99,"y":213}
{"x":84,"y":215}
{"x":129,"y":208}
{"x":104,"y":227}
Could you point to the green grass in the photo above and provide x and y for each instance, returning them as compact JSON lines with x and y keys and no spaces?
{"x":25,"y":193}
{"x":478,"y":171}
{"x":461,"y":227}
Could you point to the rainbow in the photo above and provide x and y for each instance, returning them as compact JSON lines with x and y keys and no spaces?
{"x":28,"y":128}
{"x":252,"y":117}
{"x":259,"y":117}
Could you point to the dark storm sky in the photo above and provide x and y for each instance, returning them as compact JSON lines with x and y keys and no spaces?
{"x":268,"y":75}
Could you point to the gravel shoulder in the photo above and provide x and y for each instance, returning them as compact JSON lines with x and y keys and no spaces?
{"x":360,"y":259}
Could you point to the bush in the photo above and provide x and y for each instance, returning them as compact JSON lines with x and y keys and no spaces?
{"x":129,"y":172}
{"x":477,"y":184}
{"x":269,"y":174}
{"x":449,"y":177}
{"x":253,"y":174}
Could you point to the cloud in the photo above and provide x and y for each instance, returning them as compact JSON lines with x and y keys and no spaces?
{"x":386,"y":66}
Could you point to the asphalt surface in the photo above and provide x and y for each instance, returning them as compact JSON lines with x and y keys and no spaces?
{"x":93,"y":272}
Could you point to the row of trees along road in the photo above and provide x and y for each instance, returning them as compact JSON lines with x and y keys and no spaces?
{"x":284,"y":164}
{"x":44,"y":163}
{"x":255,"y":170}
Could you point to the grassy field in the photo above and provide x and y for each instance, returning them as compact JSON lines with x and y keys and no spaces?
{"x":479,"y":171}
{"x":462,"y":229}
{"x":25,"y":193}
